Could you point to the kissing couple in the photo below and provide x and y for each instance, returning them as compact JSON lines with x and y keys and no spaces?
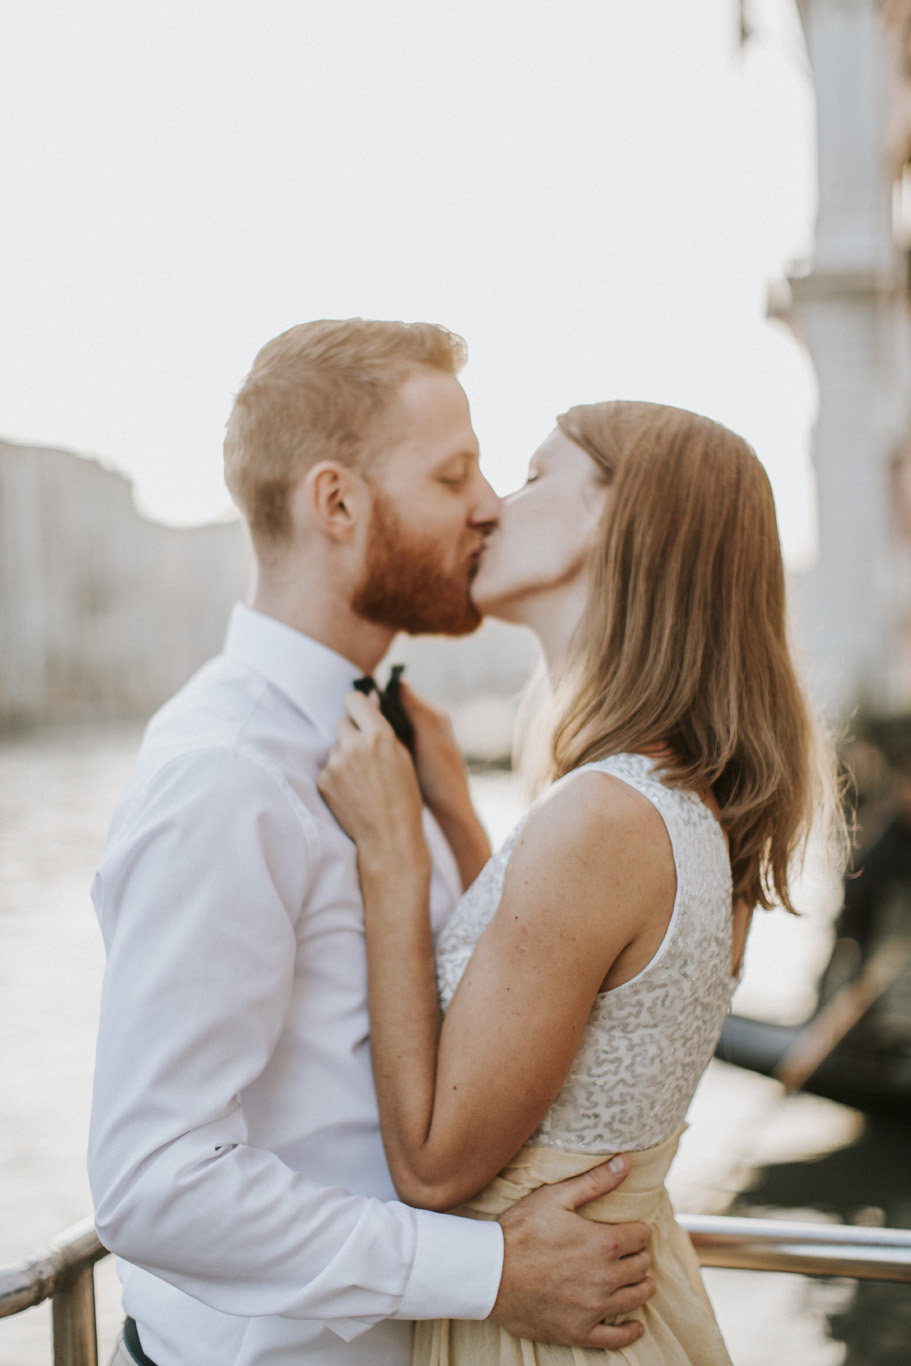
{"x":472,"y":1174}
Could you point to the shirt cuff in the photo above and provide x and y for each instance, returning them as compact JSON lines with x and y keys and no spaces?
{"x":457,"y":1268}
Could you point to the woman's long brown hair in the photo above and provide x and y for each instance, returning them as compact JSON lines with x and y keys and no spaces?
{"x":683,"y":643}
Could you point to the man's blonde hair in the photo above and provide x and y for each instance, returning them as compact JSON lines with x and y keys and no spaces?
{"x":319,"y":392}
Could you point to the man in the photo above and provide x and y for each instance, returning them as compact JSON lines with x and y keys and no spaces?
{"x":235,"y":1151}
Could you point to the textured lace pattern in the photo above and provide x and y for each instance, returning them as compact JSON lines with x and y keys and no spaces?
{"x":648,"y":1041}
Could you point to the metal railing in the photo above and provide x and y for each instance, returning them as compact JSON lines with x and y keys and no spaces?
{"x":864,"y":1254}
{"x":63,"y":1272}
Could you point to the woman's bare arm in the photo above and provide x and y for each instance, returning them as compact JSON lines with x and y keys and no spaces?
{"x":591,"y":877}
{"x":443,"y":780}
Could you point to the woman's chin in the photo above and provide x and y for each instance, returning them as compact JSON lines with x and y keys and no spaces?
{"x":497,"y":592}
{"x":491,"y":603}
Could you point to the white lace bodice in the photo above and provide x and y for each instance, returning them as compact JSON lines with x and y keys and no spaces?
{"x":648,"y":1041}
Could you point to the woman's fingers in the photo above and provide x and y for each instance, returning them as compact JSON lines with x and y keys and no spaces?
{"x":369,"y":781}
{"x":365,"y":711}
{"x":345,"y":730}
{"x":426,"y":717}
{"x":362,"y":733}
{"x":415,"y":704}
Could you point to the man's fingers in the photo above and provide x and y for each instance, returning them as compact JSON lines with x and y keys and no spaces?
{"x":576,"y":1191}
{"x":629,"y":1269}
{"x":611,"y":1337}
{"x":564,"y":1274}
{"x":628,"y":1298}
{"x":628,"y":1241}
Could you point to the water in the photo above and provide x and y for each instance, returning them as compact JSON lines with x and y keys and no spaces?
{"x":56,"y":795}
{"x":746,"y":1143}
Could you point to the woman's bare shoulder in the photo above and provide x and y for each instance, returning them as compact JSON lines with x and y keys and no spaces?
{"x":595,"y":836}
{"x":591,"y":805}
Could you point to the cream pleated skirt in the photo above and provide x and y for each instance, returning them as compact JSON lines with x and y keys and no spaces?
{"x":680,"y":1328}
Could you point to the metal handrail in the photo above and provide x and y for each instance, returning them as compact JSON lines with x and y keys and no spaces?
{"x":63,"y":1271}
{"x":864,"y":1254}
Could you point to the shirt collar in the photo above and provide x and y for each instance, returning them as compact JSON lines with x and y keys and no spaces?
{"x":315,"y":678}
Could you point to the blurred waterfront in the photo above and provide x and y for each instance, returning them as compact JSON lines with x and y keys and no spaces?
{"x":747,"y":1144}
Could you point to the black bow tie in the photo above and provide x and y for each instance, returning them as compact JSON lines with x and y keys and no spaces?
{"x":391,"y":703}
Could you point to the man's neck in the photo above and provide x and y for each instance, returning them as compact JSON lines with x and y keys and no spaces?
{"x":325,"y":618}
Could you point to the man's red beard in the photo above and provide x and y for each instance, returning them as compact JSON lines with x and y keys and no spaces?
{"x":404,"y":585}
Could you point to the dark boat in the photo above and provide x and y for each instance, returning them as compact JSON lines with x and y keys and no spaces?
{"x":867,"y":1078}
{"x":864,"y":1060}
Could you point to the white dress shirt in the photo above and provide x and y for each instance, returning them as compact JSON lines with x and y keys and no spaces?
{"x":235,"y":1150}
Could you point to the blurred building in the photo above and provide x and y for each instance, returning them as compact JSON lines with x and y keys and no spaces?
{"x":104,"y":614}
{"x":852,"y":312}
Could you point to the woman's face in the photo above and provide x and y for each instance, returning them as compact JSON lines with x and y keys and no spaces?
{"x":547,"y":529}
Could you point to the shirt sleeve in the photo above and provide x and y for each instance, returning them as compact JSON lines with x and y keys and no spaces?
{"x":198,"y":910}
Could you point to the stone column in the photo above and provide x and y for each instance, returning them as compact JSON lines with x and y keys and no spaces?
{"x":852,"y":311}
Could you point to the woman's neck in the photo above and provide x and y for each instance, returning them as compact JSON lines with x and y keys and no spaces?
{"x":553,"y":617}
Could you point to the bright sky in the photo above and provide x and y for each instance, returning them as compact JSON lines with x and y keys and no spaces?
{"x":594,"y":193}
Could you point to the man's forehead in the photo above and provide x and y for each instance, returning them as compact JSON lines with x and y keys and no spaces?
{"x":429,"y":414}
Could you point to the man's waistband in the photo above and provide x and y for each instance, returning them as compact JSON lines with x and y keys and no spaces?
{"x":133,"y":1345}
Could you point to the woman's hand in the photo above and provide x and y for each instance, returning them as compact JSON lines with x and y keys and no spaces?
{"x":443,"y":780}
{"x":437,"y":757}
{"x":369,"y":783}
{"x":370,"y":786}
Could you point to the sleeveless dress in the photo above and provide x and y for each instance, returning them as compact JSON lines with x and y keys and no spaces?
{"x":644,"y":1048}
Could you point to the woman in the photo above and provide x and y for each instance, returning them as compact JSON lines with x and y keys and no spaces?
{"x":586,"y":973}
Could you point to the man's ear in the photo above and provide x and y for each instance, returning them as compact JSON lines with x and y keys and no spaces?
{"x":335,"y":498}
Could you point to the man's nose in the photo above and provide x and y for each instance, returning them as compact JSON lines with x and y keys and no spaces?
{"x":486,"y":510}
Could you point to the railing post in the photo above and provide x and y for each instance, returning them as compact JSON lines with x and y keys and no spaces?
{"x":73,"y":1305}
